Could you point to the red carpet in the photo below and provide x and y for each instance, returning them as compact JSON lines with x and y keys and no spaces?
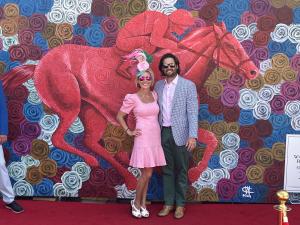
{"x":77,"y":213}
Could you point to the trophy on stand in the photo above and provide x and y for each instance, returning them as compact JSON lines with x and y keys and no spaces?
{"x":282,"y":209}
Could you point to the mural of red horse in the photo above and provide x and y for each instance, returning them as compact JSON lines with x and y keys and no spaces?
{"x":81,"y":81}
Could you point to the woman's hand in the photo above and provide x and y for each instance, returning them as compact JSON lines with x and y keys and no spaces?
{"x":135,"y":133}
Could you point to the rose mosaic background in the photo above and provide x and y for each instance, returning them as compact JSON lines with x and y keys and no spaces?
{"x":249,"y":118}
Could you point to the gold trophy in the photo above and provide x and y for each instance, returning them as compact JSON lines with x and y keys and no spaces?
{"x":283,"y":196}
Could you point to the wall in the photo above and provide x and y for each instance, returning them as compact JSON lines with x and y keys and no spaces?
{"x":249,"y":118}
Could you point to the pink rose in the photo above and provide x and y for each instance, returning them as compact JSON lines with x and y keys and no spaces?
{"x":142,"y":66}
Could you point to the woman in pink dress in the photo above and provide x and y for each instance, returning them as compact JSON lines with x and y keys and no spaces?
{"x":147,"y":150}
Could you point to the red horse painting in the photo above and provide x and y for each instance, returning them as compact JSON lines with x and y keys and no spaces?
{"x":81,"y":81}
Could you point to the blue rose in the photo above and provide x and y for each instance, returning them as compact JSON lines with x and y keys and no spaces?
{"x":243,"y":143}
{"x":27,"y":8}
{"x":203,"y":112}
{"x":13,"y":157}
{"x":61,"y":157}
{"x":296,"y":16}
{"x":224,"y":9}
{"x":240,"y":5}
{"x":181,"y":4}
{"x":94,"y":35}
{"x":40,"y":41}
{"x":269,"y":141}
{"x":275,"y":47}
{"x":282,"y":132}
{"x":9,"y":1}
{"x":232,"y":20}
{"x":78,"y":30}
{"x":279,"y":121}
{"x":33,"y":113}
{"x":290,"y":48}
{"x":278,"y":136}
{"x":214,"y":162}
{"x":246,"y":117}
{"x":44,"y":188}
{"x":4,"y":56}
{"x":43,"y":6}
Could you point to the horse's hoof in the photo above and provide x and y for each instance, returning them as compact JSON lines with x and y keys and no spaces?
{"x":131,"y":183}
{"x":194,"y":174}
{"x":91,"y":161}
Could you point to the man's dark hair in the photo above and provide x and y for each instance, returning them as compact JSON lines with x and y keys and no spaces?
{"x":169,"y":55}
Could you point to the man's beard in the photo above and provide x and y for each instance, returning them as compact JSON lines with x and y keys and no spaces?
{"x":168,"y":74}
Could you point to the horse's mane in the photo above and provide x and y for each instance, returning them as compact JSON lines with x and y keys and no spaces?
{"x":199,"y":40}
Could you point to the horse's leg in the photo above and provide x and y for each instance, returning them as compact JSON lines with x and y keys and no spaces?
{"x":58,"y":139}
{"x":95,"y":124}
{"x":64,"y":99}
{"x":211,"y":142}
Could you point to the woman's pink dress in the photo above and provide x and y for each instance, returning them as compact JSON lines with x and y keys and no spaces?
{"x":147,"y":150}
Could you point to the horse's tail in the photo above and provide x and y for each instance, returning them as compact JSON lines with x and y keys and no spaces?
{"x":17,"y":76}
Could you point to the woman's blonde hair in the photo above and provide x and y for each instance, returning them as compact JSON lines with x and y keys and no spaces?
{"x":150,"y":71}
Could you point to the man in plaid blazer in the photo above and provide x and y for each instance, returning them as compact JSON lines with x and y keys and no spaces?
{"x":178,"y":103}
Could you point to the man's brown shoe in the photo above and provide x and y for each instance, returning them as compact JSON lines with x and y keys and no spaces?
{"x":179,"y":212}
{"x":165,"y":210}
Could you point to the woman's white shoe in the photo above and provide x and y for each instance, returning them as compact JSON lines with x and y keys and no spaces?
{"x":134,"y":211}
{"x":144,"y":212}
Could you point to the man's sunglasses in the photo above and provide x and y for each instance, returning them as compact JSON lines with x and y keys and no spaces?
{"x":147,"y":78}
{"x":169,"y":65}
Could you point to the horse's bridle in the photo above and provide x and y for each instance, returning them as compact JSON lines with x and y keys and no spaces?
{"x":219,"y":46}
